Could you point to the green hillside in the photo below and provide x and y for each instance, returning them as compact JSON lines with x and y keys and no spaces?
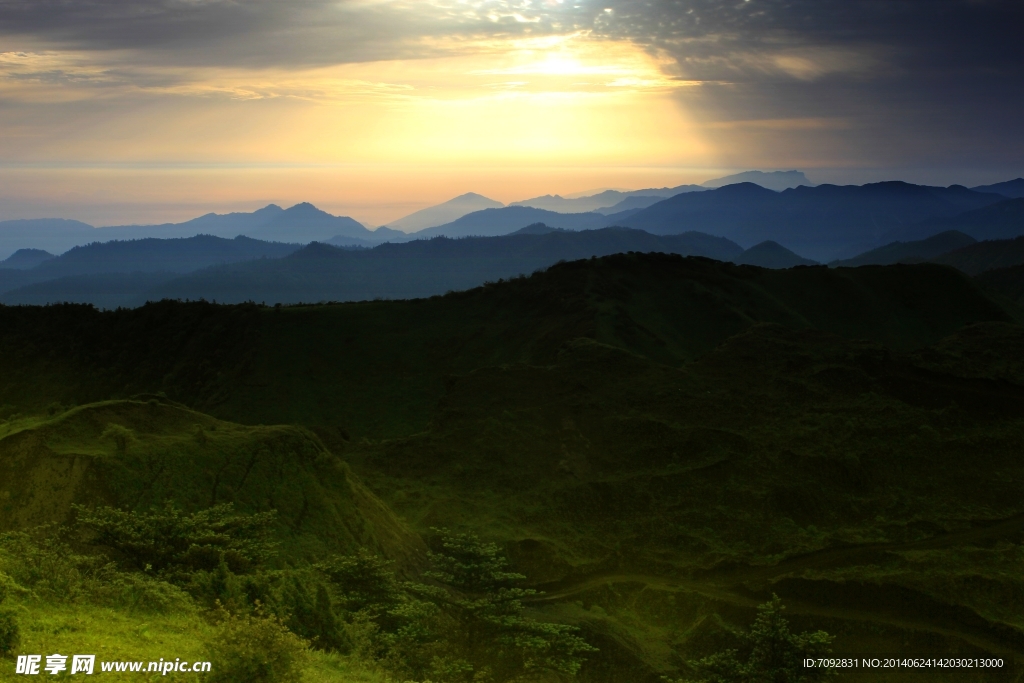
{"x":378,"y":368}
{"x":658,"y":443}
{"x":854,"y":482}
{"x":135,"y":454}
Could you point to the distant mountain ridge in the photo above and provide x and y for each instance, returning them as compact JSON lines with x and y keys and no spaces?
{"x":769,"y":254}
{"x":984,"y":256}
{"x":1002,"y":219}
{"x":26,"y":258}
{"x":910,"y":252}
{"x":824,"y":223}
{"x":148,"y":255}
{"x":1011,"y":188}
{"x":770,"y":180}
{"x":606,"y":201}
{"x":418,"y":268}
{"x":54,"y":235}
{"x":446,"y":212}
{"x":821,"y":222}
{"x":496,"y":222}
{"x":302,"y":223}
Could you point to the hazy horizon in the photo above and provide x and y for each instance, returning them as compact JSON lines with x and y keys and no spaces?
{"x":373,"y":206}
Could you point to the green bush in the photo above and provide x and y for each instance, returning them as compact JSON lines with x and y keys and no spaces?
{"x":301,"y":598}
{"x":255,"y":648}
{"x":139,"y":593}
{"x":174,"y":544}
{"x":44,"y":562}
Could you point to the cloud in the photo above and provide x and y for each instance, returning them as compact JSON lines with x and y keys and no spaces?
{"x":912,"y":81}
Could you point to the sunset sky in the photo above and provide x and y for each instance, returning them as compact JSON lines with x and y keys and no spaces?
{"x":152,"y":110}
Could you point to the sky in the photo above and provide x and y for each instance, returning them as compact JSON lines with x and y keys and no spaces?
{"x":154,"y":110}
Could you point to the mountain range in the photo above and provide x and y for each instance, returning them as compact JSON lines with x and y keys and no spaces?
{"x":149,"y":255}
{"x":320,"y":272}
{"x":607,"y":201}
{"x":823,"y":222}
{"x":302,"y":223}
{"x":614,"y":201}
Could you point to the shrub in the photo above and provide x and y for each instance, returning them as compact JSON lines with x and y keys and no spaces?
{"x":43,"y":561}
{"x":137,"y":592}
{"x":301,"y":598}
{"x":175,"y":544}
{"x":255,"y":648}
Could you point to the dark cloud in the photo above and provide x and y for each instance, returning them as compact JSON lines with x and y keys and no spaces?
{"x":256,"y":33}
{"x":904,"y":82}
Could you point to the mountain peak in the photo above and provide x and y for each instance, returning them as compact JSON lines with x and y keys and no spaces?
{"x":305,"y":207}
{"x":771,"y":254}
{"x":472,"y":196}
{"x":772,"y":180}
{"x":745,"y":189}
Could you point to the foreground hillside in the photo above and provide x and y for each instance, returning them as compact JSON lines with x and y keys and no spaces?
{"x":659,"y":443}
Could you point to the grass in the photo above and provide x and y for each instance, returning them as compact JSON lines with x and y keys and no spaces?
{"x":50,"y":627}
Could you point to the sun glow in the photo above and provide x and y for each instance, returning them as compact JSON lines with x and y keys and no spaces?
{"x":564,"y":102}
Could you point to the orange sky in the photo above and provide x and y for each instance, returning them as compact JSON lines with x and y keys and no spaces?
{"x":506,"y":118}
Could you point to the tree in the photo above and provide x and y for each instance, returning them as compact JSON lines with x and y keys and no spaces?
{"x":387,"y":622}
{"x":492,"y":636}
{"x":776,"y":654}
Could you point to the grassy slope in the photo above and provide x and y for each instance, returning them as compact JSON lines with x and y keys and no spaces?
{"x":123,"y":635}
{"x":173,"y":453}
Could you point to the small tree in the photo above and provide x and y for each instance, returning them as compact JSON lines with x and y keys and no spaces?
{"x":493,"y":637}
{"x":776,"y":654}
